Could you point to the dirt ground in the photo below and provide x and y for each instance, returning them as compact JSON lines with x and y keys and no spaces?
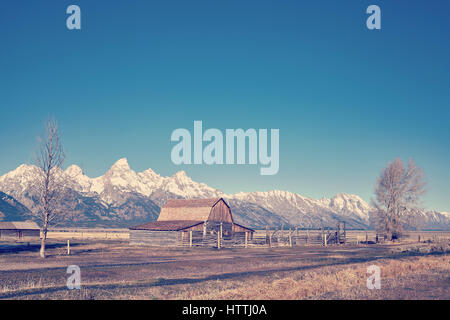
{"x":115,"y":270}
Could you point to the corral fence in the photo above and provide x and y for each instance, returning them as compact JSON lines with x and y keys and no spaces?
{"x":260,"y":238}
{"x":296,"y":237}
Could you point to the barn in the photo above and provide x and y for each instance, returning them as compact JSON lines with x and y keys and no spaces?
{"x":19,"y":230}
{"x":188,"y":222}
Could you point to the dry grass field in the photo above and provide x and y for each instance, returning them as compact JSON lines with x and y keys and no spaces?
{"x":111,"y":269}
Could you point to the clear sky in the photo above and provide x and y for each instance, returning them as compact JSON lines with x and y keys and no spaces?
{"x":346,"y":99}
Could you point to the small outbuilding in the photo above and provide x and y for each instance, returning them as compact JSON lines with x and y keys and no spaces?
{"x":19,"y":230}
{"x":190,"y":222}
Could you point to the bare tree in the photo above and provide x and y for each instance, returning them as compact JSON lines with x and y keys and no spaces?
{"x":397,"y":202}
{"x":49,"y":185}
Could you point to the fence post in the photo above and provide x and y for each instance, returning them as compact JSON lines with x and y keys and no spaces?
{"x":270,"y":240}
{"x":190,"y":238}
{"x":307,"y":237}
{"x":68,"y":247}
{"x":218,"y":240}
{"x":325,"y":239}
{"x":367,"y":238}
{"x":246,"y":239}
{"x":221,"y":231}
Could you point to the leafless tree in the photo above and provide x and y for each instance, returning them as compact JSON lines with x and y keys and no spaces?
{"x":49,"y":186}
{"x":397,"y":202}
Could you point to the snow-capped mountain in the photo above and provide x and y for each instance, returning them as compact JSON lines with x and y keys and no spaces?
{"x":121,"y":178}
{"x":122,"y":197}
{"x":435,"y":220}
{"x":308,"y":212}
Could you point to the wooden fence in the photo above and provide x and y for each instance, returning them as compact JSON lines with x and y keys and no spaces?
{"x":291,"y":238}
{"x":261,"y":238}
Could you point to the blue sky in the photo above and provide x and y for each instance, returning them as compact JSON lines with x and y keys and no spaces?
{"x":346,"y":99}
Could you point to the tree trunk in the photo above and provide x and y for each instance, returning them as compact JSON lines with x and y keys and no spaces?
{"x":42,"y":251}
{"x":44,"y":237}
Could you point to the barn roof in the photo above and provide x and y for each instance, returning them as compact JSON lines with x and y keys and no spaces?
{"x":187,"y":209}
{"x":19,"y":225}
{"x":175,"y":225}
{"x":182,"y":203}
{"x":240,"y":225}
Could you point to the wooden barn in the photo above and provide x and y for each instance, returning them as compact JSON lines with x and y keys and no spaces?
{"x":188,"y":222}
{"x":19,"y":230}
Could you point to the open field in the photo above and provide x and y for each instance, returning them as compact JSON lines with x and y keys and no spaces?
{"x":114,"y":270}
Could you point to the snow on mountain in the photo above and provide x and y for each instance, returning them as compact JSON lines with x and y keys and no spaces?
{"x":125,"y":195}
{"x":445,"y":214}
{"x":181,"y":185}
{"x":351,"y":205}
{"x":435,"y":220}
{"x":308,"y":212}
{"x":18,"y":180}
{"x":121,"y":178}
{"x":77,"y":180}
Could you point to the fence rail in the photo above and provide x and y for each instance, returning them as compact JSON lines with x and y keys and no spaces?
{"x":291,"y":238}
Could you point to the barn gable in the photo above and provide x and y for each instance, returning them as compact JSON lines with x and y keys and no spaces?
{"x":221,"y":212}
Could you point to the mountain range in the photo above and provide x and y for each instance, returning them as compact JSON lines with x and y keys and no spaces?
{"x":123,"y":198}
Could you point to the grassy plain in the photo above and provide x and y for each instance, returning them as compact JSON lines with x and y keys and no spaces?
{"x":111,"y":269}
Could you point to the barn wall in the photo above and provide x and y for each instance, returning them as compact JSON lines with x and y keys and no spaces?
{"x":19,"y":234}
{"x":31,"y":233}
{"x":155,"y":238}
{"x":220,"y":212}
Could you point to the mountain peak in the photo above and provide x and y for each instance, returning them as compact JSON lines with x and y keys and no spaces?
{"x":121,"y":164}
{"x":347,"y":196}
{"x":181,"y":174}
{"x":74,"y":170}
{"x":21,"y":171}
{"x":24,"y":168}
